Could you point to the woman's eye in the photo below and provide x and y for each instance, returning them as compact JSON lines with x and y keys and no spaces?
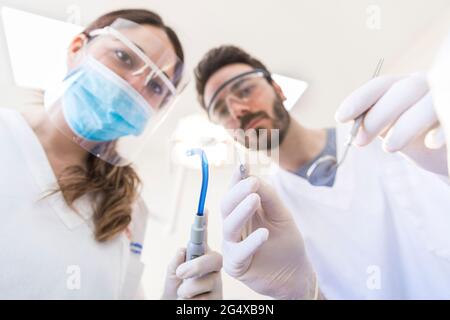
{"x":155,"y":87}
{"x":124,"y":57}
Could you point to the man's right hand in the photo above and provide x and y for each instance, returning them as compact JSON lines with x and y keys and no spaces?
{"x":262,"y":246}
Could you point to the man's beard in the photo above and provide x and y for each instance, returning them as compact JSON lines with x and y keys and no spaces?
{"x":265,"y":139}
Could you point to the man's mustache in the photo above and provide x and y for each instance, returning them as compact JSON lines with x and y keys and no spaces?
{"x":246,"y":119}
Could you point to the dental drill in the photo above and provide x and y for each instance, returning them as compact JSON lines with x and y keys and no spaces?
{"x":196,"y":246}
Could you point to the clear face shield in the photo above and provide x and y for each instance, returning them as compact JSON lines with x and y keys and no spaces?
{"x":123,"y":85}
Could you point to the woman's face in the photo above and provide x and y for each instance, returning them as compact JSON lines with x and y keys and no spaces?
{"x":152,"y":41}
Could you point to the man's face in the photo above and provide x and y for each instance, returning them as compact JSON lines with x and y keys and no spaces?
{"x":249,"y":102}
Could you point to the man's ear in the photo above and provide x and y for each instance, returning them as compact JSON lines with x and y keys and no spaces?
{"x":279,"y":91}
{"x":74,"y":48}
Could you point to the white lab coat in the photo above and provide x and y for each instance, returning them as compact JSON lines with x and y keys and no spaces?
{"x":381,"y":232}
{"x":48,"y":251}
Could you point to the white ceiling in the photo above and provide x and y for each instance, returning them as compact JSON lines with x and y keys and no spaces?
{"x":323,"y":42}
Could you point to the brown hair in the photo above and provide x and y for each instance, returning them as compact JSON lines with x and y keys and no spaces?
{"x":114,"y":189}
{"x":217,"y":58}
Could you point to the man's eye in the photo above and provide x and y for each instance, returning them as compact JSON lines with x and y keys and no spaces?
{"x":124,"y":57}
{"x":222,"y":109}
{"x":245,"y":92}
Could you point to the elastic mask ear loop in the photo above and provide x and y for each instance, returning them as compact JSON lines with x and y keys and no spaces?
{"x":80,"y":56}
{"x":84,"y":48}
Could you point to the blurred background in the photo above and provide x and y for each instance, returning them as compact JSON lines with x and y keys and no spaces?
{"x":332,"y":46}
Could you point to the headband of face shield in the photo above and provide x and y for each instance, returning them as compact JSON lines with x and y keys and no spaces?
{"x":123,"y":84}
{"x":244,"y":88}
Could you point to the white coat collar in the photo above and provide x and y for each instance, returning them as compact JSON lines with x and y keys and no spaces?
{"x":45,"y":177}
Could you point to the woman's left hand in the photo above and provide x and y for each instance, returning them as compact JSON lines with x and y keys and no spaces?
{"x":197,"y":279}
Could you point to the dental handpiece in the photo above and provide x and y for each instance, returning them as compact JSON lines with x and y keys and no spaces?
{"x":196,"y":246}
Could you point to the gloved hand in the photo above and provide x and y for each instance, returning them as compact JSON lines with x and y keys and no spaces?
{"x":401,"y":113}
{"x":197,"y":279}
{"x":262,"y":246}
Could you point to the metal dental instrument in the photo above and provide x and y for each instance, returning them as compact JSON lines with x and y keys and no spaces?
{"x":359,"y":120}
{"x":196,"y":246}
{"x":328,"y":163}
{"x":243,"y":167}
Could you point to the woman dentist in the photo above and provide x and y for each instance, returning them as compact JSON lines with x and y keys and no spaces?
{"x":73,"y":222}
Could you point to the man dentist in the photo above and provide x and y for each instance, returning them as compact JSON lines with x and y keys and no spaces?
{"x":375,"y":227}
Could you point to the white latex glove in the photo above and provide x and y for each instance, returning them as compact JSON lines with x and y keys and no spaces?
{"x":197,"y":279}
{"x":401,"y":113}
{"x":262,"y":246}
{"x":439,"y":79}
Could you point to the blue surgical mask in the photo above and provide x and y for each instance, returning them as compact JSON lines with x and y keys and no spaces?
{"x":99,"y":105}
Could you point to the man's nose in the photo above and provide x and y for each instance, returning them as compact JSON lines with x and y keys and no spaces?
{"x":237,"y":108}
